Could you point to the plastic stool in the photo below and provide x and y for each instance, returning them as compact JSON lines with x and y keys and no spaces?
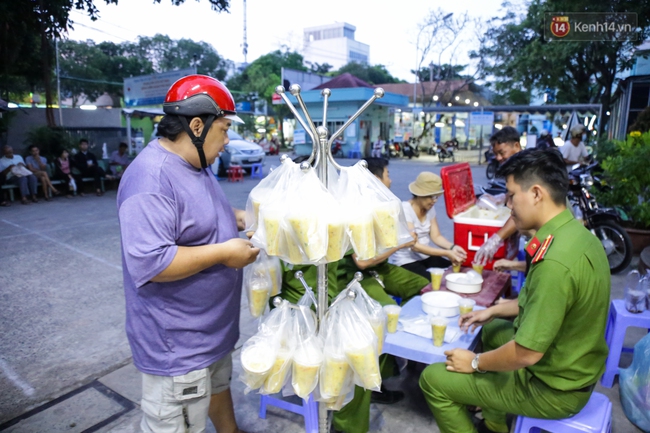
{"x":235,"y":173}
{"x":308,"y":409}
{"x":256,"y":171}
{"x":617,"y":323}
{"x":595,"y":417}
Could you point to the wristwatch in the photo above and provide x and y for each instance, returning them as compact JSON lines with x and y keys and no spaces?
{"x":475,"y":364}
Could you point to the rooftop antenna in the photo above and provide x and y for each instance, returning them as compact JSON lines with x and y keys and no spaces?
{"x":245,"y":44}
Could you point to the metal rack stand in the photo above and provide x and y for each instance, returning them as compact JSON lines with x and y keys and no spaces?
{"x":321,"y":156}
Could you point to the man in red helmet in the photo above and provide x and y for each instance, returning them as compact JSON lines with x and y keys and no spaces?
{"x":182,"y":258}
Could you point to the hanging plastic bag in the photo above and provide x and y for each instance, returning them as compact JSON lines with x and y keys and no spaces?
{"x":634,"y":383}
{"x":376,"y":218}
{"x":335,"y":374}
{"x":258,"y":284}
{"x":308,"y":352}
{"x":359,"y":342}
{"x":278,"y":327}
{"x":374,"y":311}
{"x":265,"y":209}
{"x":264,"y":191}
{"x":257,"y":357}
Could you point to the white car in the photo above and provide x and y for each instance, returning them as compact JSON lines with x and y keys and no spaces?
{"x":243,"y":152}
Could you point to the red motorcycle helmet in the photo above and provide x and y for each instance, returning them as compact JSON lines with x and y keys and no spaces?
{"x":195,"y":95}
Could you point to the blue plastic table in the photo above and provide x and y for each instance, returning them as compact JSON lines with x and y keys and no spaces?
{"x":421,"y":349}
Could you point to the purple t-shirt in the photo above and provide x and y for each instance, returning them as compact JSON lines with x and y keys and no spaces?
{"x":176,"y":327}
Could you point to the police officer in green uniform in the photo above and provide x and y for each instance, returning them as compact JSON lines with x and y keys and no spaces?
{"x":545,"y":364}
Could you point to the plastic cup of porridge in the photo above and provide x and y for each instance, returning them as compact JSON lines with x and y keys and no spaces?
{"x":259,"y":298}
{"x":392,"y":312}
{"x":385,"y":220}
{"x":272,"y":229}
{"x":278,"y":373}
{"x":438,"y":329}
{"x":362,"y":235}
{"x":436,"y":277}
{"x":365,"y":363}
{"x":306,"y":363}
{"x":335,"y":238}
{"x":335,"y":371}
{"x":466,"y":305}
{"x":456,"y":267}
{"x":378,"y":325}
{"x":256,"y":364}
{"x":478,"y":267}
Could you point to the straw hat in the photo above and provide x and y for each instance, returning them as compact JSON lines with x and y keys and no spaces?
{"x":426,"y":184}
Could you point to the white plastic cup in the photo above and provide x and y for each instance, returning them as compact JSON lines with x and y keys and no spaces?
{"x":392,"y":312}
{"x":436,"y":277}
{"x":438,"y":329}
{"x":466,"y":305}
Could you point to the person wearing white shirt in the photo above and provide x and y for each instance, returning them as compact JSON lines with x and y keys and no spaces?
{"x":10,"y":166}
{"x":574,"y":150}
{"x":421,"y":219}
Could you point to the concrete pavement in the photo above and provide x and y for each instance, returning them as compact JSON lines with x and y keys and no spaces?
{"x":65,"y":364}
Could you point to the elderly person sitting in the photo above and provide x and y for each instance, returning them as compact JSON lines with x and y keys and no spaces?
{"x":421,"y":219}
{"x":13,"y":167}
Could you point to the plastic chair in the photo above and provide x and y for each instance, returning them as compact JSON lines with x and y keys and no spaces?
{"x":235,"y":173}
{"x":308,"y":409}
{"x":595,"y":417}
{"x":518,"y":278}
{"x":256,"y":171}
{"x":356,"y":151}
{"x":619,"y":320}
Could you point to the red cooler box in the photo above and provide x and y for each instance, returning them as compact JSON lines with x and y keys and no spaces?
{"x":471,"y":229}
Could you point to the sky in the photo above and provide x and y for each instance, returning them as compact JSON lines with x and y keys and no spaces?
{"x":388,"y":27}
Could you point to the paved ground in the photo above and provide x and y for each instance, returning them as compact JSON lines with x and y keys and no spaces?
{"x":65,"y":363}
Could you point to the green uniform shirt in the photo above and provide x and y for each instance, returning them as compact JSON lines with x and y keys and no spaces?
{"x":563,"y":306}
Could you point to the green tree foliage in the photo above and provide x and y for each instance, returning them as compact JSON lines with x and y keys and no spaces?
{"x":375,"y":74}
{"x":263,"y":75}
{"x":519,"y":61}
{"x":28,"y":29}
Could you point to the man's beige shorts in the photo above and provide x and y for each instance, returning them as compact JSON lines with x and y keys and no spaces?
{"x":180,"y":404}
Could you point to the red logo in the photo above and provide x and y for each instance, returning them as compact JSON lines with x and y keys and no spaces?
{"x":560,"y":26}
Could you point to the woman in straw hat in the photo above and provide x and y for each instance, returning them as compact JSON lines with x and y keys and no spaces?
{"x":421,"y":219}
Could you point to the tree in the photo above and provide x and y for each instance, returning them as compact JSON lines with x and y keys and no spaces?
{"x":519,"y":61}
{"x":375,"y":74}
{"x":29,"y":28}
{"x":439,"y":36}
{"x":263,"y":75}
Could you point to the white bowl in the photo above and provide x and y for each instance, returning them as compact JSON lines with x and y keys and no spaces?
{"x":461,"y":283}
{"x":443,"y":304}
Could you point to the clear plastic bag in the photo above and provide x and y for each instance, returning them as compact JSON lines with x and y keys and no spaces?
{"x":635,"y":296}
{"x":262,"y":279}
{"x":358,"y":340}
{"x":376,"y":220}
{"x":264,"y":191}
{"x":634,"y":383}
{"x":308,"y":352}
{"x":375,"y":312}
{"x":336,"y":376}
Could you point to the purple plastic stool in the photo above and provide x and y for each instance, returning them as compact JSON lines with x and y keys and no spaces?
{"x":619,"y":320}
{"x":308,"y":409}
{"x":595,"y":417}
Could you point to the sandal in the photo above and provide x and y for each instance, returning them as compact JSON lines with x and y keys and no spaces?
{"x":5,"y":204}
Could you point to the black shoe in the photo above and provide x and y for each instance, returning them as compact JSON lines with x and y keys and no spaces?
{"x":386,"y":396}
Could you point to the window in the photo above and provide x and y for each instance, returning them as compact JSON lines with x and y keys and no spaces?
{"x":358,"y":57}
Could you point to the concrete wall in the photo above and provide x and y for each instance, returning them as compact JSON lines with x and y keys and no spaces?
{"x":101,"y":125}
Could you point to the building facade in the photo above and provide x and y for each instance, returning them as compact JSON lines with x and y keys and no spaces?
{"x":334,"y":44}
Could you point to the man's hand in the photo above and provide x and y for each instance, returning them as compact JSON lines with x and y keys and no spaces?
{"x":488,"y":249}
{"x":459,"y":360}
{"x":240,"y":216}
{"x":410,"y":243}
{"x":474,"y":319}
{"x":239,"y":253}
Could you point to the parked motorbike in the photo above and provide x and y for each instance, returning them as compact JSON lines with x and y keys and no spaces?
{"x":411,"y":151}
{"x":392,"y":150}
{"x":603,"y":222}
{"x":492,"y":164}
{"x":337,"y":149}
{"x":446,"y":150}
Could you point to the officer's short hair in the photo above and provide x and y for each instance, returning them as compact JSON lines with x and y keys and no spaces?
{"x":377,"y":165}
{"x":545,"y":166}
{"x":507,"y":134}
